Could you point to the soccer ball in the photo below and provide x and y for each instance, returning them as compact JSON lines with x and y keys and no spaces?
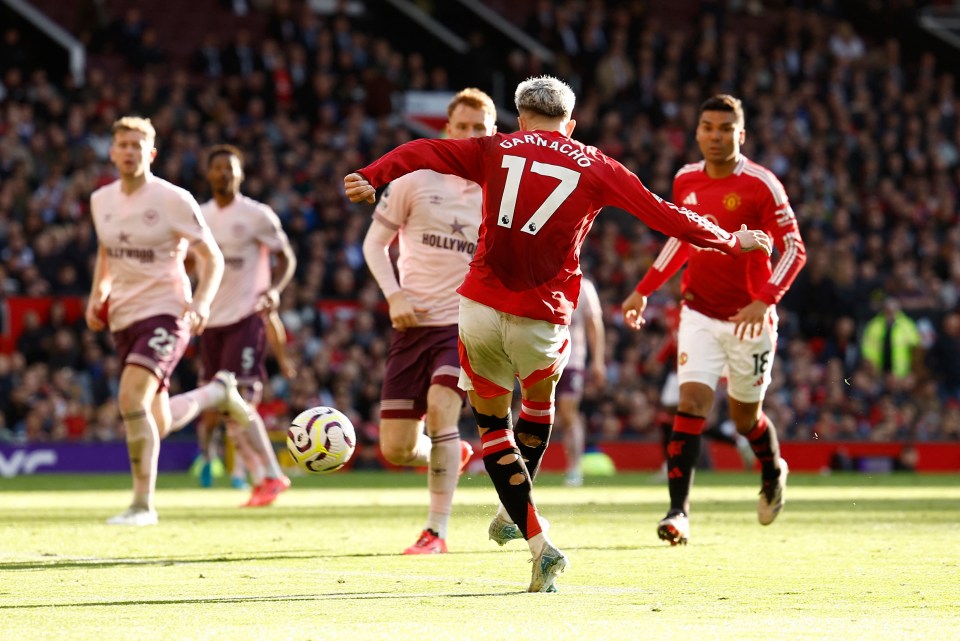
{"x":321,"y":440}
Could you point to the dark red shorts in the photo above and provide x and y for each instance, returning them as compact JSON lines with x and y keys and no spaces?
{"x":570,"y":384}
{"x":238,"y":348}
{"x":419,"y":357}
{"x":156,"y":343}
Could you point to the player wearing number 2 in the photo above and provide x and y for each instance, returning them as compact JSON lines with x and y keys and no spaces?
{"x":145,"y":226}
{"x":728,"y":323}
{"x":542,"y":191}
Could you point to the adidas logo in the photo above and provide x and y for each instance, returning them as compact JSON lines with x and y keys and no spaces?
{"x":691,"y":199}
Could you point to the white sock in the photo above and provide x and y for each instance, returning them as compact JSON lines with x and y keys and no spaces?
{"x":503,"y":514}
{"x":444,"y":473}
{"x":421,"y":452}
{"x":260,"y":441}
{"x":187,"y":406}
{"x":143,"y":445}
{"x":537,"y":543}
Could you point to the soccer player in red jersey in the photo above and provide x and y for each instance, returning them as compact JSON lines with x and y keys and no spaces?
{"x":728,"y":323}
{"x":542,"y":191}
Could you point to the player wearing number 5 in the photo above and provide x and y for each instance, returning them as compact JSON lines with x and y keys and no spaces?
{"x":542,"y":191}
{"x":145,"y":226}
{"x":244,"y":311}
{"x":728,"y":323}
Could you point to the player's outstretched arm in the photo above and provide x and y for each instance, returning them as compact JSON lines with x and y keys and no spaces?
{"x":359,"y":189}
{"x":753,"y":240}
{"x":633,"y":308}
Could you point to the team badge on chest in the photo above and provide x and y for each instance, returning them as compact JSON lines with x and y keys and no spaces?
{"x":731,"y":201}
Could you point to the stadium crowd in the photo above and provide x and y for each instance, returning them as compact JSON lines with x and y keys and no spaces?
{"x":864,"y":137}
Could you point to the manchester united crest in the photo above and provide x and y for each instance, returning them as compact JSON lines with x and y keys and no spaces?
{"x":731,"y":201}
{"x":682,"y":359}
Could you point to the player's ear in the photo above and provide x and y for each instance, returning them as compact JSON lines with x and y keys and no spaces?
{"x":153,"y":154}
{"x":569,"y":127}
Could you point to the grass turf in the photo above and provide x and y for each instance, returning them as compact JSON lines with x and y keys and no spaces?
{"x":851,"y":557}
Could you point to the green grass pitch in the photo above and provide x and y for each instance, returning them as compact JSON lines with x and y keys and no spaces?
{"x":851,"y":557}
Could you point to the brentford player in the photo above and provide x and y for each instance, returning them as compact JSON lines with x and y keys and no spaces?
{"x":145,"y":226}
{"x":728,"y":322}
{"x":542,"y":191}
{"x":437,"y":217}
{"x":586,"y":338}
{"x":249,"y":234}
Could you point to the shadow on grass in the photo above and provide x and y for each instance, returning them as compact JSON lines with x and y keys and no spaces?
{"x":408,"y":479}
{"x":281,"y":598}
{"x":934,"y":508}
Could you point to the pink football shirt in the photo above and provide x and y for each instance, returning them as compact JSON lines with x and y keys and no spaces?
{"x":146,"y":235}
{"x":438,"y":220}
{"x":246,"y":232}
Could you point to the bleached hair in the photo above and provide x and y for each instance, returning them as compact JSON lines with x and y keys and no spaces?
{"x":135,"y":123}
{"x":545,"y":96}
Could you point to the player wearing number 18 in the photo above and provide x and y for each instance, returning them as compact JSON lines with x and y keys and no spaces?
{"x":728,"y":324}
{"x":542,"y":191}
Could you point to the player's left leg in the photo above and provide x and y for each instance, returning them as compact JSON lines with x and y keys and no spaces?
{"x":750,"y":364}
{"x":445,"y":462}
{"x":220,"y":393}
{"x":570,"y":420}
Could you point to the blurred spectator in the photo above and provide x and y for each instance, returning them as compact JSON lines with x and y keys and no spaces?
{"x":863,"y":132}
{"x":891,"y":341}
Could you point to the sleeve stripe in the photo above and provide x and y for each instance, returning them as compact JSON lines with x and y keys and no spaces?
{"x":785,"y":216}
{"x":785,"y":262}
{"x":691,"y":167}
{"x":768,"y":179}
{"x":386,"y":223}
{"x":666,"y":254}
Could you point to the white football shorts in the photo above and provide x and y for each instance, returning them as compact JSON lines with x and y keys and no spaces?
{"x":496,"y":348}
{"x":709,"y":349}
{"x":670,"y":394}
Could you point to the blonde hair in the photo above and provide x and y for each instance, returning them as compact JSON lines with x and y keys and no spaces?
{"x":135,"y":123}
{"x":475,"y":99}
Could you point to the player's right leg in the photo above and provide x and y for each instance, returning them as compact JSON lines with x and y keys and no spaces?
{"x":253,"y":442}
{"x":493,"y":348}
{"x":150,"y":350}
{"x":138,"y":387}
{"x":700,"y":363}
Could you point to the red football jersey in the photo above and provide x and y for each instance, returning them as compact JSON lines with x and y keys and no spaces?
{"x":541,"y":194}
{"x":715,"y":284}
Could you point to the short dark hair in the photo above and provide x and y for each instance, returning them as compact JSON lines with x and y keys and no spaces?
{"x":224,"y":150}
{"x":724,"y":102}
